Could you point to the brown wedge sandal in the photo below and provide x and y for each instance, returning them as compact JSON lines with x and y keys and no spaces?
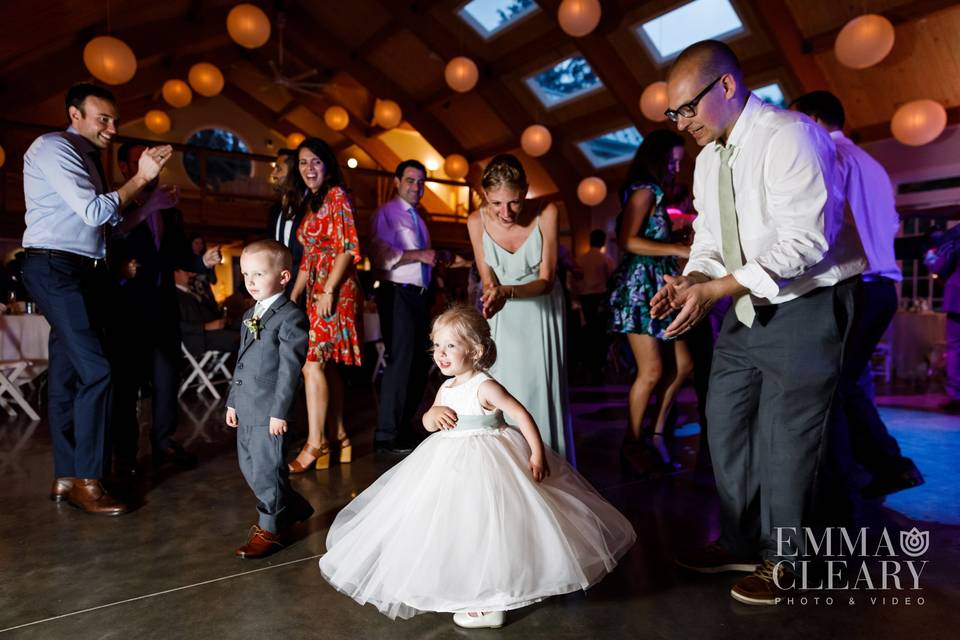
{"x":321,"y":458}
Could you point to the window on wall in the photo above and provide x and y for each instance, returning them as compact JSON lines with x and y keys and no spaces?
{"x":773,"y":94}
{"x":219,"y":169}
{"x":670,"y":33}
{"x":564,"y":81}
{"x":612,"y":147}
{"x":490,"y":17}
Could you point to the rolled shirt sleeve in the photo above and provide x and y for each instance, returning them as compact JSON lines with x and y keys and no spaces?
{"x":67,"y":174}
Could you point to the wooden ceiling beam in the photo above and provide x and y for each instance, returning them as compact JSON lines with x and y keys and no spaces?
{"x":778,"y":23}
{"x":881,"y":130}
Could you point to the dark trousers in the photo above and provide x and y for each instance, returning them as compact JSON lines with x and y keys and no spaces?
{"x":771,"y":389}
{"x":595,"y":343}
{"x":262,"y":465}
{"x":71,"y":295}
{"x":404,"y":323}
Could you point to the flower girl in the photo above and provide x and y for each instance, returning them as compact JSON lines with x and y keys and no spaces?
{"x":481,"y":518}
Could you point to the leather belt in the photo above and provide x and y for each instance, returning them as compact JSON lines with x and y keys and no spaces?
{"x":406,"y":285}
{"x":75,"y":258}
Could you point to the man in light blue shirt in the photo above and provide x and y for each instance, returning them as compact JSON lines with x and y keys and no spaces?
{"x":68,"y":205}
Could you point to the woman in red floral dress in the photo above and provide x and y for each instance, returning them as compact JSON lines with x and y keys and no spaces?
{"x":327,"y":278}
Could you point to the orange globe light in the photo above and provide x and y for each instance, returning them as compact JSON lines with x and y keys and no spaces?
{"x":157,"y":121}
{"x":205,"y":79}
{"x":177,"y":93}
{"x":592,"y":191}
{"x":109,"y":60}
{"x":387,"y":114}
{"x":456,"y":166}
{"x":294,"y":139}
{"x":336,"y":118}
{"x":653,"y":101}
{"x":461,"y":74}
{"x":536,"y":140}
{"x":248,"y":25}
{"x":918,"y":122}
{"x":3,"y":156}
{"x":864,"y":41}
{"x":577,"y":18}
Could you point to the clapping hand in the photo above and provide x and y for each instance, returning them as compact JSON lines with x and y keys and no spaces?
{"x":494,"y":297}
{"x":153,"y":160}
{"x":440,"y":417}
{"x":692,"y":294}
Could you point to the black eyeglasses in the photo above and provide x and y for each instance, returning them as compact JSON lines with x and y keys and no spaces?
{"x":689,"y":109}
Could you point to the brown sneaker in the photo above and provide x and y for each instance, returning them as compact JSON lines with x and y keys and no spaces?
{"x":761,"y":588}
{"x":61,"y":487}
{"x":90,"y":496}
{"x":260,"y":544}
{"x":715,"y":559}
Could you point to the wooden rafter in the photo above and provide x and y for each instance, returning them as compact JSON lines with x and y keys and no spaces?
{"x":776,"y":19}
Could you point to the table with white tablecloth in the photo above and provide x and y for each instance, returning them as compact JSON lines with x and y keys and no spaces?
{"x":24,"y":351}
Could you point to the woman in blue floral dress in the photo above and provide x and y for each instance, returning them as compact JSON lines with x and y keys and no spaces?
{"x":644,"y":237}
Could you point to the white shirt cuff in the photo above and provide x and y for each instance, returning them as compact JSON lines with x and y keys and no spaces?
{"x":753,"y":277}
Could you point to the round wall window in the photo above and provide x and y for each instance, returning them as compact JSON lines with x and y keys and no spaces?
{"x":220,"y":170}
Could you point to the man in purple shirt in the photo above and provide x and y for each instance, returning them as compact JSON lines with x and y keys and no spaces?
{"x":403,"y":261}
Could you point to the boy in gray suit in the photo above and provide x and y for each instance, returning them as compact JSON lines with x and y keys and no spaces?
{"x":273,"y":346}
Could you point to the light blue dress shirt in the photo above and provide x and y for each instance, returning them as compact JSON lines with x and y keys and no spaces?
{"x":66,"y":203}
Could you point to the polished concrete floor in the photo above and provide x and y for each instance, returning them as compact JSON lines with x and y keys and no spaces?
{"x":167,"y":570}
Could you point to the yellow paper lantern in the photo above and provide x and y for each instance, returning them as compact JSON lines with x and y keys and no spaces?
{"x":653,"y":101}
{"x":461,"y":74}
{"x":294,"y":139}
{"x":918,"y":122}
{"x":592,"y":191}
{"x":864,"y":41}
{"x":248,"y":25}
{"x":157,"y":121}
{"x":387,"y":114}
{"x":336,"y":118}
{"x":536,"y":140}
{"x":3,"y":156}
{"x":205,"y":79}
{"x":577,"y":18}
{"x":177,"y":93}
{"x":109,"y":60}
{"x":456,"y":166}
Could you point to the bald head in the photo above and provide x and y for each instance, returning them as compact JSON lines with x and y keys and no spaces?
{"x":706,"y":60}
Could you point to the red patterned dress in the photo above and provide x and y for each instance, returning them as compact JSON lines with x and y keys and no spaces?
{"x":325,"y":234}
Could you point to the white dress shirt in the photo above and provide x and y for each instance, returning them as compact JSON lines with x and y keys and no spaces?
{"x":789,"y":203}
{"x":395,"y":230}
{"x":596,"y":267}
{"x":283,"y":230}
{"x":262,"y":306}
{"x":870,"y":196}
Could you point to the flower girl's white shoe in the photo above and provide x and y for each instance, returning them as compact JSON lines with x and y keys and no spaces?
{"x":492,"y":620}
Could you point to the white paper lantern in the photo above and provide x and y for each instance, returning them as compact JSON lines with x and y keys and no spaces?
{"x":653,"y":101}
{"x":248,"y":25}
{"x":294,"y":139}
{"x":592,"y":191}
{"x":336,"y":118}
{"x":864,"y":41}
{"x":387,"y":114}
{"x":109,"y":60}
{"x":918,"y":122}
{"x":157,"y":121}
{"x":456,"y":166}
{"x":461,"y":74}
{"x":536,"y":140}
{"x":177,"y":93}
{"x":205,"y":79}
{"x":577,"y":18}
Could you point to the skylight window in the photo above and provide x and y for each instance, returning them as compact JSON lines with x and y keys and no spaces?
{"x":773,"y":94}
{"x":672,"y":32}
{"x":564,"y":81}
{"x":489,"y":17}
{"x":612,"y":147}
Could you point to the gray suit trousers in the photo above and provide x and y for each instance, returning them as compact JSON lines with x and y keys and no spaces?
{"x":768,"y":406}
{"x":263,"y":467}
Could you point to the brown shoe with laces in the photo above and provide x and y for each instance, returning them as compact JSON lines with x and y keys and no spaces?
{"x":90,"y":496}
{"x":765,"y":586}
{"x":260,"y":544}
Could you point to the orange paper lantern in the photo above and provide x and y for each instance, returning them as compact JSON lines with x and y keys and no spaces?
{"x":864,"y":41}
{"x":177,"y":93}
{"x":592,"y":191}
{"x":577,"y":18}
{"x":109,"y":60}
{"x":536,"y":140}
{"x":336,"y":118}
{"x":461,"y":74}
{"x":387,"y":114}
{"x":294,"y":139}
{"x":456,"y":166}
{"x":157,"y":121}
{"x":918,"y":122}
{"x":248,"y":25}
{"x":205,"y":79}
{"x":653,"y":101}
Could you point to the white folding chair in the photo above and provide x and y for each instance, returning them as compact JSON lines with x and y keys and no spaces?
{"x":10,"y":372}
{"x":881,"y":362}
{"x":203,"y":371}
{"x":371,"y":333}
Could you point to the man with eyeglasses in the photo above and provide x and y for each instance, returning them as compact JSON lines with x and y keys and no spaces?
{"x":771,"y":234}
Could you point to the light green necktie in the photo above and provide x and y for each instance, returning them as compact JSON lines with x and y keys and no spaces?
{"x":730,"y":235}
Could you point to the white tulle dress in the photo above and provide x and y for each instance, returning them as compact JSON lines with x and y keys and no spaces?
{"x":460,"y":524}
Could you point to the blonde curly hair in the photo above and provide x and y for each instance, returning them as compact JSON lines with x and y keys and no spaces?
{"x":471,"y":327}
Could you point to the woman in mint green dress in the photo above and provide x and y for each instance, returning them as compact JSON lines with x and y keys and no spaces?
{"x":516,"y":255}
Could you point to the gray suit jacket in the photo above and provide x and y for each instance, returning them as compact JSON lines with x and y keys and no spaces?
{"x":267,"y":375}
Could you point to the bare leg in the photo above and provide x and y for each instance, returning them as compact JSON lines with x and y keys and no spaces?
{"x":335,"y":428}
{"x":646,"y":352}
{"x":681,"y":366}
{"x":318,"y":400}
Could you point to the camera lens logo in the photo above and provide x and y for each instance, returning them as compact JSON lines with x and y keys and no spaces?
{"x":914,"y":542}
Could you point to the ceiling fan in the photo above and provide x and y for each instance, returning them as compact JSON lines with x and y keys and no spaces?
{"x":298,"y":82}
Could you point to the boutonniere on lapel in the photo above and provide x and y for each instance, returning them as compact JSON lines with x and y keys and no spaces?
{"x":254,"y":325}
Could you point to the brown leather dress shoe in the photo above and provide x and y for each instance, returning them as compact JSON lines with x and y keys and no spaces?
{"x":89,"y":495}
{"x":61,"y":487}
{"x":260,"y":544}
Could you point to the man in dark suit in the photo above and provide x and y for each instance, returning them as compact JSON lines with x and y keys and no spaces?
{"x":199,"y":330}
{"x":945,"y":262}
{"x":147,"y":334}
{"x":282,"y":221}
